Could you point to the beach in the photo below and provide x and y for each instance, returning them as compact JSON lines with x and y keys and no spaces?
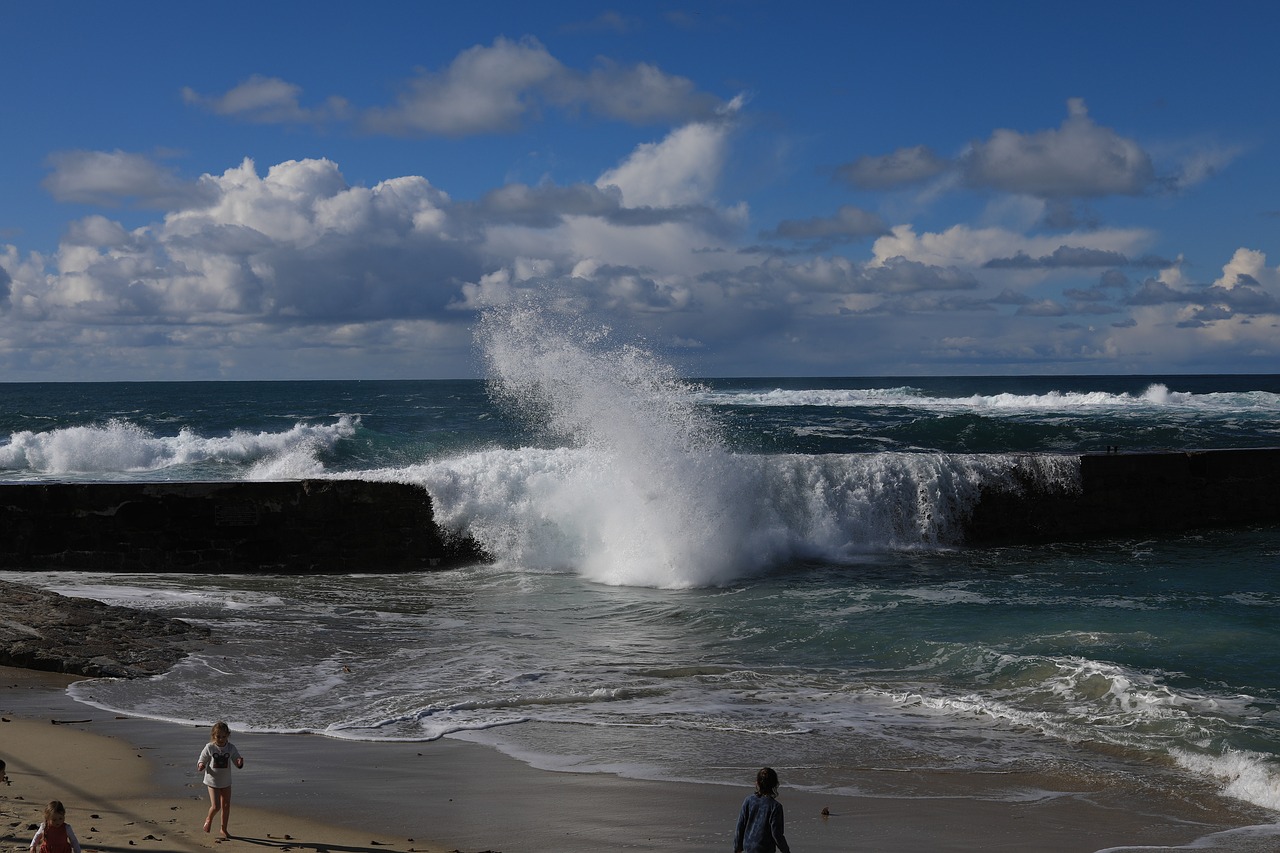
{"x":697,"y":584}
{"x":132,"y":783}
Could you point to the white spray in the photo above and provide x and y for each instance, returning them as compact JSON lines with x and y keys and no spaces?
{"x":656,"y":496}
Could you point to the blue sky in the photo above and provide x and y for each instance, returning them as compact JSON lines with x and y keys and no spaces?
{"x":337,"y":190}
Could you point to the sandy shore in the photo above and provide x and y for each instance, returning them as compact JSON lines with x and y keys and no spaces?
{"x":131,"y":784}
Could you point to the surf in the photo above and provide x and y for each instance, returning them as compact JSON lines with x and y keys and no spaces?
{"x":638,"y":487}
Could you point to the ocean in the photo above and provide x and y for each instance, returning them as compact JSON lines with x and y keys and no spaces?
{"x":693,"y":578}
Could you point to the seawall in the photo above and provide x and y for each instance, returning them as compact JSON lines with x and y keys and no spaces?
{"x":291,"y":526}
{"x":357,"y":526}
{"x":1132,"y":494}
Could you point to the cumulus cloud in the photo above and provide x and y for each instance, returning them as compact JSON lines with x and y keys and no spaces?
{"x":1156,"y":292}
{"x":546,"y":206}
{"x":1202,"y":164}
{"x":298,"y":243}
{"x":1075,"y":257}
{"x":1222,"y":316}
{"x":494,"y":89}
{"x":903,"y":167}
{"x":638,"y":94}
{"x":1042,"y":308}
{"x":1247,"y":266}
{"x":550,"y":205}
{"x":609,"y":21}
{"x":268,"y":100}
{"x":682,"y":169}
{"x":1078,"y":159}
{"x":298,"y":249}
{"x":1002,"y":248}
{"x":484,"y":90}
{"x":297,"y":259}
{"x":898,"y":275}
{"x":848,"y":223}
{"x":114,"y":178}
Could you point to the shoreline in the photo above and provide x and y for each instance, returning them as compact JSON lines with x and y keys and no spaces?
{"x":311,"y":793}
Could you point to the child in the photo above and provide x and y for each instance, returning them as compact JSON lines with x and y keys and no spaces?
{"x":215,"y":761}
{"x":55,"y":834}
{"x":759,"y":827}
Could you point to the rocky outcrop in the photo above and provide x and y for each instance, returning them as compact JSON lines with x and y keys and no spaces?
{"x":79,"y":636}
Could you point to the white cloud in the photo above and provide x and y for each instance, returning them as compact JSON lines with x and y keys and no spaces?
{"x":268,"y":100}
{"x":901,"y":168}
{"x":1203,"y":164}
{"x":297,"y":261}
{"x":297,"y":243}
{"x":1248,"y":264}
{"x":1078,"y":159}
{"x":640,"y":94}
{"x":682,"y":169}
{"x":484,"y":90}
{"x":964,"y":246}
{"x":848,"y":223}
{"x":495,"y":89}
{"x":112,"y":178}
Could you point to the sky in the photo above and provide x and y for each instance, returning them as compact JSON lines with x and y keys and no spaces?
{"x":327,"y":190}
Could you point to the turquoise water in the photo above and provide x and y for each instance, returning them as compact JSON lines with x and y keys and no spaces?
{"x":695,"y":578}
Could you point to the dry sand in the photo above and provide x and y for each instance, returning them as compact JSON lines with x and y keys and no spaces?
{"x":131,"y":785}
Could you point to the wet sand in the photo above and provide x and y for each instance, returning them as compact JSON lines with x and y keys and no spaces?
{"x":131,"y":784}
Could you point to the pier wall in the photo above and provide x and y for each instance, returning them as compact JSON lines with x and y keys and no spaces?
{"x":357,"y":526}
{"x":1132,"y":494}
{"x":293,"y":526}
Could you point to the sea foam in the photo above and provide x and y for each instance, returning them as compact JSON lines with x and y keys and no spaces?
{"x":1155,"y":397}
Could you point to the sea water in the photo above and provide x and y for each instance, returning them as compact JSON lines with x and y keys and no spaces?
{"x":694,"y":578}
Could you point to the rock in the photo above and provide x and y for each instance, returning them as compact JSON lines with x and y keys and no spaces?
{"x":79,"y":636}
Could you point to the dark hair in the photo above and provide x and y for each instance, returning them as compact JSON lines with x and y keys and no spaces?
{"x":767,"y":782}
{"x":54,"y":807}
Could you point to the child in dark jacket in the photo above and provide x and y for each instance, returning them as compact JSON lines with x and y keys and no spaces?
{"x":759,"y":827}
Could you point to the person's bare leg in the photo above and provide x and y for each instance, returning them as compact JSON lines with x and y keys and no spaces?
{"x":225,"y":796}
{"x":213,"y":808}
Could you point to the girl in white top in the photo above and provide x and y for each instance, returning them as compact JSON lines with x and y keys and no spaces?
{"x":216,"y":760}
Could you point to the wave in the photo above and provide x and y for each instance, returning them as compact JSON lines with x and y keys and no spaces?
{"x":120,"y":448}
{"x":647,"y":493}
{"x":714,"y":517}
{"x":1098,"y":704}
{"x":1157,"y":396}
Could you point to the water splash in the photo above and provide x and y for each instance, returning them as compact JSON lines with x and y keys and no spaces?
{"x":657,"y":491}
{"x":641,"y":490}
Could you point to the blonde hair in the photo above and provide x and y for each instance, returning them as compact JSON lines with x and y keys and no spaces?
{"x":219,"y":728}
{"x":55,"y":807}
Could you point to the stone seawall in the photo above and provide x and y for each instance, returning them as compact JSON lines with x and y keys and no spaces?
{"x":293,"y":526}
{"x":1124,"y":494}
{"x":358,"y":526}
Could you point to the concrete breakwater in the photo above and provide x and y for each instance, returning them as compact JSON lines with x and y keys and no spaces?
{"x":359,"y":526}
{"x":287,"y":526}
{"x":1123,"y":494}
